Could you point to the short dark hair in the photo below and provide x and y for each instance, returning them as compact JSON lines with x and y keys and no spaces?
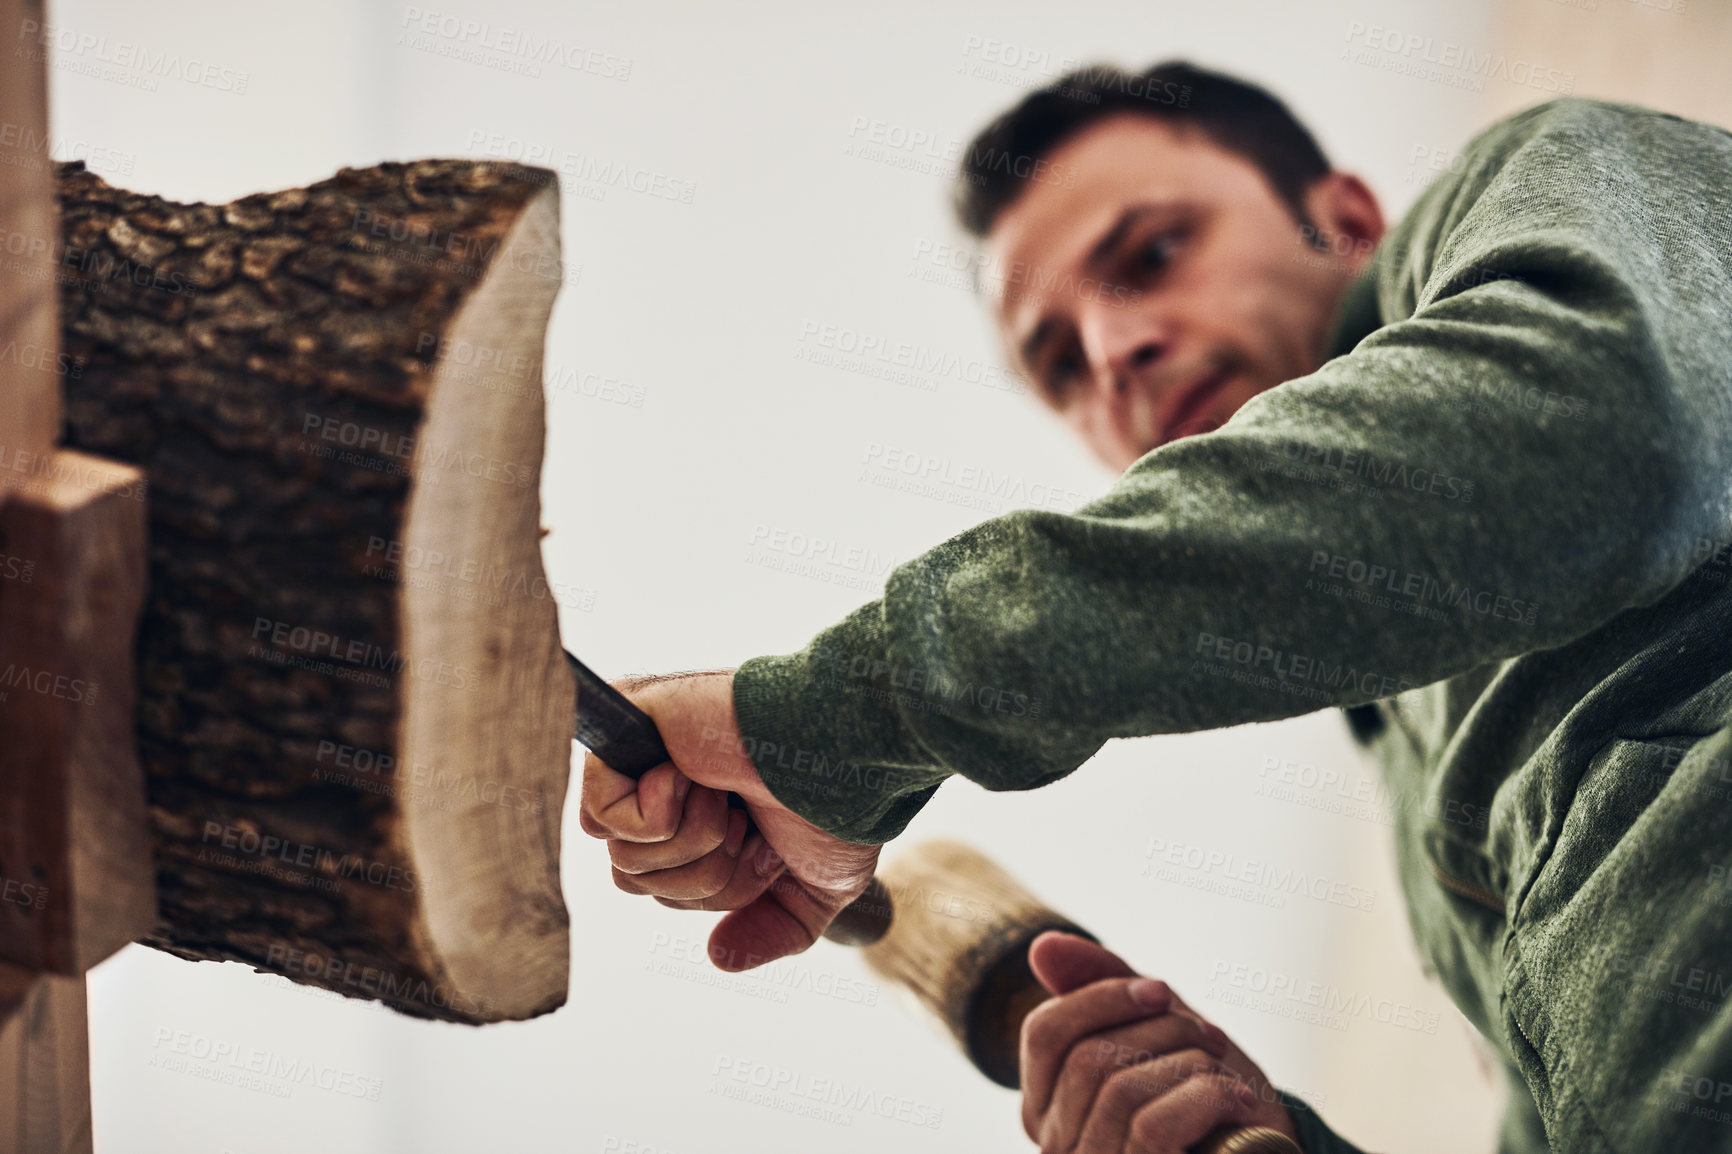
{"x":1234,"y":115}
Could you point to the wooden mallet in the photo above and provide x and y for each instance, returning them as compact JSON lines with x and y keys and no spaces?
{"x":940,"y":920}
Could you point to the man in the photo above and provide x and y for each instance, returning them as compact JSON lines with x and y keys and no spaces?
{"x":1469,"y":480}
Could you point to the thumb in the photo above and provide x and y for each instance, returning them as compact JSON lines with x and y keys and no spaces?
{"x":1063,"y":962}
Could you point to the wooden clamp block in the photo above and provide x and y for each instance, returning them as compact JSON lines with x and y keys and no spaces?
{"x":76,"y":881}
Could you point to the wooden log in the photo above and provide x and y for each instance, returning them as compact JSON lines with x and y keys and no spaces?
{"x":354,"y":716}
{"x":75,"y":878}
{"x":44,"y":1064}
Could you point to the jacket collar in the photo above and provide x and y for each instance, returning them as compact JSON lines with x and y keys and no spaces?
{"x":1357,"y":316}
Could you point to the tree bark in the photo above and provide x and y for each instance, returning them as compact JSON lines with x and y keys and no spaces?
{"x":354,"y":717}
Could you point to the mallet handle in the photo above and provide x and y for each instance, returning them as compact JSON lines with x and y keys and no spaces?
{"x":625,"y":737}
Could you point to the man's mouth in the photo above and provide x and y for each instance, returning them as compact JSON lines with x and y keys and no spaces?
{"x":1187,"y":412}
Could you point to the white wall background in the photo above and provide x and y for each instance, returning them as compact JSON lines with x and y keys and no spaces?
{"x":698,"y":309}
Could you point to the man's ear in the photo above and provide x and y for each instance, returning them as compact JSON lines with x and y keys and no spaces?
{"x":1342,"y":205}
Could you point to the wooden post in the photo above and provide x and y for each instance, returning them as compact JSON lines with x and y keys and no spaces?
{"x":29,"y":320}
{"x":44,"y":1064}
{"x":75,"y":873}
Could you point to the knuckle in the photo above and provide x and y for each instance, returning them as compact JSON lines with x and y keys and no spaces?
{"x":626,"y":882}
{"x":1043,"y":1029}
{"x":713,"y":879}
{"x":1193,"y":1060}
{"x":1082,"y":1061}
{"x":1127,"y":1085}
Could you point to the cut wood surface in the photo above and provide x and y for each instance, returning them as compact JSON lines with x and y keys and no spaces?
{"x":354,"y":716}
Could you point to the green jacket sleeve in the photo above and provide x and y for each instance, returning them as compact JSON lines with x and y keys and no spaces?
{"x":1535,"y":440}
{"x":1314,"y":1136}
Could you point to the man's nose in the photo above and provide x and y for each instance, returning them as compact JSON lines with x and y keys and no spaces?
{"x":1123,"y":346}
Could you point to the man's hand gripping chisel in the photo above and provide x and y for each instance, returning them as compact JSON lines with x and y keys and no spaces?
{"x":624,"y":737}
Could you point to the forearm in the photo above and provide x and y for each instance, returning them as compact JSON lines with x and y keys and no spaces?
{"x":1397,"y":517}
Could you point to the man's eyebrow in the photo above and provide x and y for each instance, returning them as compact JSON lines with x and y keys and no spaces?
{"x":1132,"y":216}
{"x":1128,"y":219}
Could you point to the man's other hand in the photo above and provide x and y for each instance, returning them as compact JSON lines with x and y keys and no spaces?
{"x":673,"y":834}
{"x":1116,"y":1062}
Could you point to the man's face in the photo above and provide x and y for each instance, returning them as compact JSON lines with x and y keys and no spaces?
{"x":1166,"y":285}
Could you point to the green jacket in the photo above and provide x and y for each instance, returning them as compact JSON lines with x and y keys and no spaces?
{"x":1497,"y":512}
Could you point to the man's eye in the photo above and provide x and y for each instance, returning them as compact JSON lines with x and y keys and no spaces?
{"x":1062,"y":370}
{"x":1156,"y":253}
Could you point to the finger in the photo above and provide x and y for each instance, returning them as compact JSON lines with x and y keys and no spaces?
{"x":745,"y":883}
{"x":703,"y":827}
{"x":1120,"y":1093}
{"x":1181,"y":1117}
{"x":700,"y":885}
{"x":697,"y":884}
{"x":1063,"y":962}
{"x":786,"y":919}
{"x":1223,"y":1044}
{"x":1097,"y":1061}
{"x":645,"y":810}
{"x":1057,"y":1024}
